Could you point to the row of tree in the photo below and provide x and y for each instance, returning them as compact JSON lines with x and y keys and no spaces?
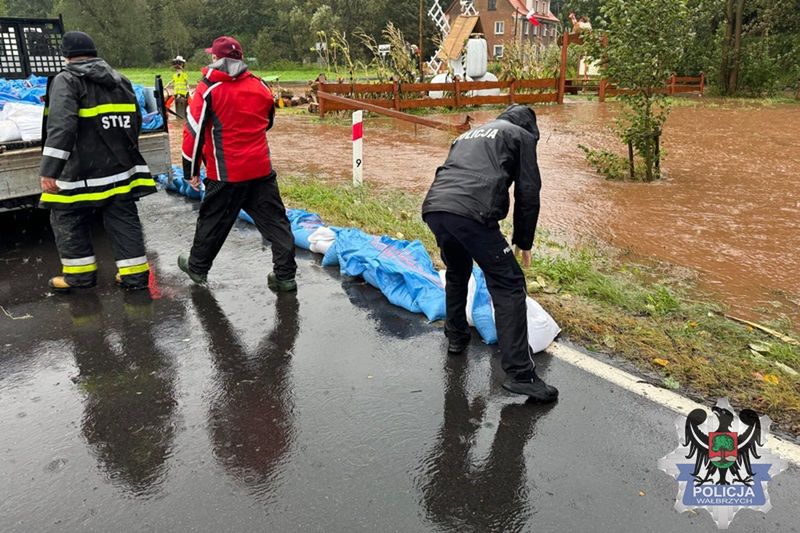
{"x":748,"y":46}
{"x":146,"y":32}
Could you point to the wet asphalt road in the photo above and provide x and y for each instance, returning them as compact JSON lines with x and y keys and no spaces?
{"x":233,"y":409}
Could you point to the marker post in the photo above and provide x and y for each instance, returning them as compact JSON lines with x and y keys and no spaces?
{"x":358,"y":148}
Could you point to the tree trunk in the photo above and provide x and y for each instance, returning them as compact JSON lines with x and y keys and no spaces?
{"x":657,"y":152}
{"x":737,"y":48}
{"x":631,"y":165}
{"x":724,"y":72}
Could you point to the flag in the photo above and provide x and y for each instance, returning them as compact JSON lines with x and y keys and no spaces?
{"x":531,"y":16}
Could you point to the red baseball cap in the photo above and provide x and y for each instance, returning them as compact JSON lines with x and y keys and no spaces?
{"x":225,"y":47}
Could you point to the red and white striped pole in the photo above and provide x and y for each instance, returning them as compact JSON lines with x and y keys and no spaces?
{"x":358,"y":148}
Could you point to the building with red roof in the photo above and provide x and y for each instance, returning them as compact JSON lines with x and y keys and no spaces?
{"x":504,"y":21}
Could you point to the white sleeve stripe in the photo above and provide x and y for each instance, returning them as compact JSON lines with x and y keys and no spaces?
{"x":55,"y":152}
{"x":132,"y":262}
{"x":79,"y":262}
{"x":192,"y":123}
{"x":107,"y":180}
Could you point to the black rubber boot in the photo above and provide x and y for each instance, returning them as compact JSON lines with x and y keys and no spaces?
{"x":457,"y":345}
{"x":532,"y":386}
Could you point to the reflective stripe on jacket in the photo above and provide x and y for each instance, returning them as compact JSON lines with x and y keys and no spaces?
{"x":91,"y":138}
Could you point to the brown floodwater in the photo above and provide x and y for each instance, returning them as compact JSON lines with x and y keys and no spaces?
{"x":728,"y":207}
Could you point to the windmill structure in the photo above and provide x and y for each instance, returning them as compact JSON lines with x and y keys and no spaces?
{"x":437,"y":14}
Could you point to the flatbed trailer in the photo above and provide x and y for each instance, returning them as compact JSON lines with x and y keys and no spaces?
{"x":37,"y":51}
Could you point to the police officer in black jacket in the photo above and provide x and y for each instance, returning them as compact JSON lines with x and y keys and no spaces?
{"x":463,"y":208}
{"x":91,"y":165}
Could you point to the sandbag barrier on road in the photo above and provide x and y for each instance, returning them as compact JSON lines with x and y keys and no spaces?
{"x":402,"y":270}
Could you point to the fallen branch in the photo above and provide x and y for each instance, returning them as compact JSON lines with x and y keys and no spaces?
{"x":777,"y":334}
{"x":12,"y":317}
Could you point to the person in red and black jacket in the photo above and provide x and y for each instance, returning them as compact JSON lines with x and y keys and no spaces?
{"x":226,"y":130}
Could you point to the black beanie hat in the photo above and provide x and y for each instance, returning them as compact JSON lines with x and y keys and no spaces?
{"x":77,"y":43}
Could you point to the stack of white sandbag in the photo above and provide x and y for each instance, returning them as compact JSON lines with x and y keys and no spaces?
{"x":21,"y":122}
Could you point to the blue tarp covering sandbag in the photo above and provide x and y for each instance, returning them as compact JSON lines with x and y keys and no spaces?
{"x":179,"y":185}
{"x":32,"y":90}
{"x":151,"y":120}
{"x":304,"y":224}
{"x":402,"y":270}
{"x":29,"y":91}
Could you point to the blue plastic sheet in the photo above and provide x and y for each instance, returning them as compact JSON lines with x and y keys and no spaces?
{"x":179,"y":185}
{"x":401,"y":270}
{"x":303,"y":225}
{"x":30,"y":91}
{"x":150,"y":121}
{"x":33,"y":89}
{"x":482,"y":314}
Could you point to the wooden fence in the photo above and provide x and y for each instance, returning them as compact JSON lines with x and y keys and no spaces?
{"x":675,"y":85}
{"x":401,"y":96}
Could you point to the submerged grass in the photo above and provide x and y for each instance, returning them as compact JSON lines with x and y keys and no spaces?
{"x":632,"y":311}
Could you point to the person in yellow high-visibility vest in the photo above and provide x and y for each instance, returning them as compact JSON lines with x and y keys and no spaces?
{"x":180,"y":86}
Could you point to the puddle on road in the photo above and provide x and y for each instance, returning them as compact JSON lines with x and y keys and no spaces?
{"x":729,"y":206}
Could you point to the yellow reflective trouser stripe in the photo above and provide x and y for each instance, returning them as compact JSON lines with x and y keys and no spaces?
{"x":94,"y":196}
{"x":137,"y":269}
{"x":80,"y":269}
{"x":106,"y":108}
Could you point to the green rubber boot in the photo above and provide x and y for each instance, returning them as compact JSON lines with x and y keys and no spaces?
{"x":279,"y":285}
{"x":183,"y":264}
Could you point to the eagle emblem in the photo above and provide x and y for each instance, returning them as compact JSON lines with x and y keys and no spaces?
{"x":721,"y":462}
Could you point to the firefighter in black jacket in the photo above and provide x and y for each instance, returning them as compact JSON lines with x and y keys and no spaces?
{"x":91,"y":163}
{"x":463,"y":208}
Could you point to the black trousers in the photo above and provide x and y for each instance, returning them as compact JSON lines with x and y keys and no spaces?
{"x":73,"y":233}
{"x":180,"y":105}
{"x":462,"y":240}
{"x":261,"y":199}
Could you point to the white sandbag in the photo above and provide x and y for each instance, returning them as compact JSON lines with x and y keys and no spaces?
{"x":9,"y":132}
{"x":470,"y":294}
{"x":27,"y":117}
{"x":321,"y":240}
{"x":542,"y":328}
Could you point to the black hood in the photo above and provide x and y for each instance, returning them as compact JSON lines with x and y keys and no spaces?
{"x":522,"y":116}
{"x":96,"y":70}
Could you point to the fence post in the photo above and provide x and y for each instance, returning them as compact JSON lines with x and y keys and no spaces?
{"x":512,"y":87}
{"x":358,"y":148}
{"x":672,"y":85}
{"x":702,"y":83}
{"x":396,"y":90}
{"x":602,"y":91}
{"x":458,"y":92}
{"x":321,"y":101}
{"x":562,"y":75}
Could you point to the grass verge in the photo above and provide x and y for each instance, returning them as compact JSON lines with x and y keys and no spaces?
{"x":636,"y":312}
{"x":146,"y":76}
